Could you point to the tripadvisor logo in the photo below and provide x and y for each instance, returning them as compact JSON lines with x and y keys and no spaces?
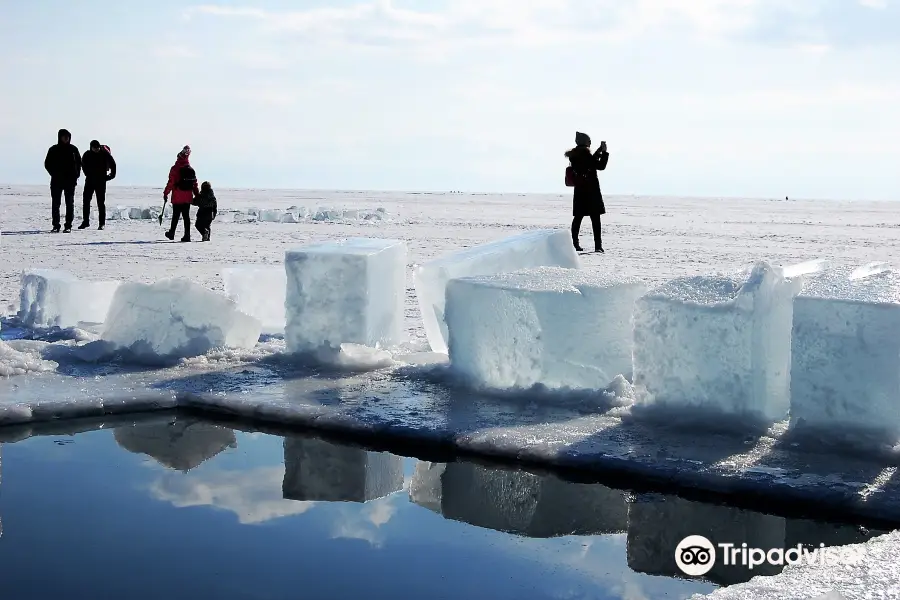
{"x":695,"y":555}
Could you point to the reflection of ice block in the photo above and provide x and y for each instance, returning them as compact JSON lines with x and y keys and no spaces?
{"x":560,"y":328}
{"x":541,"y":248}
{"x":176,"y":318}
{"x":180,"y":445}
{"x":318,"y":470}
{"x":259,"y":291}
{"x":846,"y":354}
{"x":350,"y":291}
{"x":813,"y":534}
{"x":720,"y":343}
{"x":656,"y":525}
{"x":52,"y":298}
{"x":516,"y":501}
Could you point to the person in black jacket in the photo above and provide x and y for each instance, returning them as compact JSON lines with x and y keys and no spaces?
{"x":63,"y":163}
{"x":587,"y":201}
{"x":99,"y":167}
{"x":207,"y":210}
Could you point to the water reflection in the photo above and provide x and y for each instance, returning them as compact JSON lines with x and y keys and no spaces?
{"x":236,"y":498}
{"x":181,"y":444}
{"x":322,"y":471}
{"x":517,"y":501}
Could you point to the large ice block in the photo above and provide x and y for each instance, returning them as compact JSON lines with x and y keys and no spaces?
{"x":517,"y":501}
{"x":182,"y":444}
{"x":53,"y":298}
{"x":175,"y":318}
{"x":318,"y":470}
{"x":259,"y":291}
{"x":846,"y":355}
{"x":560,"y":328}
{"x":657,"y":524}
{"x":720,"y":344}
{"x":540,"y":248}
{"x":348,"y":291}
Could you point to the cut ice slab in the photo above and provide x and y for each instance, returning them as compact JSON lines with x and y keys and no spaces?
{"x":846,"y":355}
{"x":259,"y":291}
{"x":349,"y":291}
{"x":175,"y":318}
{"x":717,"y":346}
{"x":517,"y":501}
{"x":53,"y":298}
{"x":540,"y":248}
{"x":316,"y":470}
{"x":554,"y":327}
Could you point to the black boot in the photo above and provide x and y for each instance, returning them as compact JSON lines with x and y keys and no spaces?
{"x":170,"y":235}
{"x":84,"y":225}
{"x":55,"y":229}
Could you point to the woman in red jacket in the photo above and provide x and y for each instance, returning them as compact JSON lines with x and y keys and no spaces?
{"x":183,"y":186}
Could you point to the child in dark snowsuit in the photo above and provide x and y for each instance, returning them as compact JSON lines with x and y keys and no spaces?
{"x":207,"y":210}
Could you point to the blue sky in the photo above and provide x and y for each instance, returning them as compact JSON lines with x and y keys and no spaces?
{"x":762,"y":98}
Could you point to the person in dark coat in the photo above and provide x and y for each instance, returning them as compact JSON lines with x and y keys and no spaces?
{"x":99,"y":167}
{"x":63,"y":164}
{"x":587,"y":201}
{"x":207,"y":208}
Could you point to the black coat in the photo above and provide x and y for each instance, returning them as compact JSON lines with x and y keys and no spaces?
{"x":586,"y":198}
{"x":97,"y":164}
{"x":63,"y":163}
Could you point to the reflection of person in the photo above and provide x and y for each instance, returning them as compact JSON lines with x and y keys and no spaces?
{"x":99,"y":167}
{"x":587,"y":200}
{"x":183,"y":186}
{"x":63,"y":163}
{"x":180,"y":445}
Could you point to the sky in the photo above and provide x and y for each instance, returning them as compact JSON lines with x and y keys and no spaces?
{"x":746,"y":98}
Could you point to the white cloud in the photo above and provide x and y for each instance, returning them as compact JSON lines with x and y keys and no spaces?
{"x":877,"y":4}
{"x":254,"y":495}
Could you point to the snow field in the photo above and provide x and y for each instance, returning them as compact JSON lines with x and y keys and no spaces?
{"x":259,"y":291}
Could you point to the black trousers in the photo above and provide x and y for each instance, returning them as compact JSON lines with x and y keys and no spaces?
{"x":92,"y":187}
{"x":181,"y":211}
{"x":595,"y":226}
{"x":204,"y":219}
{"x":56,"y":194}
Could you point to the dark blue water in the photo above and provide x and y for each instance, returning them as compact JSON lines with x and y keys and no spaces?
{"x":178,"y":508}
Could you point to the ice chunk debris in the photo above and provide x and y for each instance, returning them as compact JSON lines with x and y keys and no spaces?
{"x":719,"y":344}
{"x":316,"y":470}
{"x":259,"y":291}
{"x":270,"y":215}
{"x":13,"y":362}
{"x":846,"y":355}
{"x":540,"y":248}
{"x":53,"y":298}
{"x":175,"y":318}
{"x":517,"y":501}
{"x":349,"y":291}
{"x":550,"y":326}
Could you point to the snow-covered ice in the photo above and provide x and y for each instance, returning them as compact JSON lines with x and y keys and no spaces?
{"x":347,"y":291}
{"x":259,"y":291}
{"x":14,"y":362}
{"x":860,"y":571}
{"x":517,"y":501}
{"x":541,"y":248}
{"x":173,"y":319}
{"x":717,"y":345}
{"x":845,"y":372}
{"x":550,"y":326}
{"x":55,"y":298}
{"x":316,"y":470}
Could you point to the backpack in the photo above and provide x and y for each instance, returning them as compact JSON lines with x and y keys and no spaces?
{"x":187,"y":179}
